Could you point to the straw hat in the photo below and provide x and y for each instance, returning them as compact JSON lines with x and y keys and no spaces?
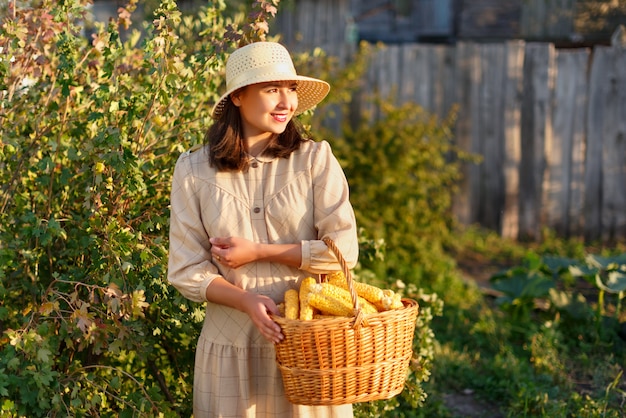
{"x":260,"y":62}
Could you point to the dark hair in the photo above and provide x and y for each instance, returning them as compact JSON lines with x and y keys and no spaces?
{"x":227,"y":148}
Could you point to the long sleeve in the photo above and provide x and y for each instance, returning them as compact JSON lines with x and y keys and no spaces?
{"x":190,"y":269}
{"x":333,"y":213}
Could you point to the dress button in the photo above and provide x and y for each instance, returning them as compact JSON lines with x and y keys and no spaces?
{"x":255,"y":164}
{"x":257,"y":210}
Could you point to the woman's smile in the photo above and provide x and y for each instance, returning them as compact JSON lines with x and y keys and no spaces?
{"x":280,"y":117}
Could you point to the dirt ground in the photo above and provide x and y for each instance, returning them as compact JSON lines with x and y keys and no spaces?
{"x":463,"y":405}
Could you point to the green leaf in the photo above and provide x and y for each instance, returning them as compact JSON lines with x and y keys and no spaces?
{"x":8,"y":405}
{"x":522,"y":286}
{"x":115,"y":383}
{"x":574,"y":304}
{"x":533,"y":261}
{"x":616,"y":282}
{"x":583,"y":271}
{"x":14,"y":363}
{"x":606,"y":262}
{"x":43,"y":355}
{"x":558,"y":264}
{"x":116,"y":346}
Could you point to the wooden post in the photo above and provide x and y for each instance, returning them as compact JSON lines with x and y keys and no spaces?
{"x":490,"y":106}
{"x":535,"y":130}
{"x":512,"y":137}
{"x":465,"y":203}
{"x":598,"y":93}
{"x":565,"y":157}
{"x":613,"y":198}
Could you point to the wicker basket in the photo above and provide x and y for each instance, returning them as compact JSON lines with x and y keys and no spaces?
{"x":335,"y":361}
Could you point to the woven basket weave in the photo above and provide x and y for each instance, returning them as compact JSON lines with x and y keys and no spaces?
{"x":336,"y":361}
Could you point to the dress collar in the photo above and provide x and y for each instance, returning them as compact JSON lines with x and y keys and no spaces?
{"x":261,"y":158}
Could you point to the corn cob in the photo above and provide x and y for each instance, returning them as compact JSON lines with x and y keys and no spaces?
{"x":306,"y":310}
{"x":292,"y":304}
{"x":397,"y":302}
{"x":334,"y":292}
{"x":367,"y":306}
{"x":335,"y":276}
{"x":330,"y":290}
{"x":281,"y":308}
{"x":329,"y":305}
{"x":366,"y":291}
{"x":391,"y":300}
{"x":323,"y":316}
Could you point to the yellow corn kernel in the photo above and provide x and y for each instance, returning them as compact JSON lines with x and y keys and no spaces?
{"x":372,"y":293}
{"x":292,"y":304}
{"x":337,"y":292}
{"x":329,"y":305}
{"x":336,"y":277}
{"x":305,"y":285}
{"x":369,"y":292}
{"x":397,"y":302}
{"x":367,"y":306}
{"x":330,"y":289}
{"x":306,"y":310}
{"x":281,"y":308}
{"x":323,"y":316}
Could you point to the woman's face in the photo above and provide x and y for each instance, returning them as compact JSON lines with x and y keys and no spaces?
{"x":266,"y":108}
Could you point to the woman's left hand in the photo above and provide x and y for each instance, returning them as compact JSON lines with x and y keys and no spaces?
{"x":259,"y":308}
{"x":233,"y":252}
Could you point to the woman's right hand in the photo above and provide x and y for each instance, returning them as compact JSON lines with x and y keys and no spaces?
{"x":259,"y":308}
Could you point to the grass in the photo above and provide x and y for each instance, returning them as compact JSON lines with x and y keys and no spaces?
{"x":546,"y":363}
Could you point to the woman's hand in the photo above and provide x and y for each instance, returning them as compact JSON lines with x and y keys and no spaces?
{"x":234,"y":252}
{"x":259,"y":308}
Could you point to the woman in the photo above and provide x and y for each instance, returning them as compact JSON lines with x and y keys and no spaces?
{"x":249,"y":211}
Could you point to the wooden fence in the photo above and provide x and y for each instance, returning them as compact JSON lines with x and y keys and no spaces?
{"x":550,"y":125}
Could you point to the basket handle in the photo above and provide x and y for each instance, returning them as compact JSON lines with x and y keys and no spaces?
{"x":346,"y":272}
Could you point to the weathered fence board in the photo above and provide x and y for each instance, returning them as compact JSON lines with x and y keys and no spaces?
{"x":566,"y":156}
{"x":619,"y":142}
{"x":410,"y":69}
{"x":512,"y":138}
{"x":490,"y":134}
{"x":423,"y":72}
{"x":596,"y":112}
{"x":536,"y":127}
{"x":613,"y":213}
{"x":393,"y":56}
{"x":465,"y":204}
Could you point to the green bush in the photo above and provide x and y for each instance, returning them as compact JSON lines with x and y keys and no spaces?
{"x":90,"y":132}
{"x":403,"y":171}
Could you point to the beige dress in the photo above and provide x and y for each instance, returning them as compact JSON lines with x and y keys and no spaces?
{"x":303,"y":198}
